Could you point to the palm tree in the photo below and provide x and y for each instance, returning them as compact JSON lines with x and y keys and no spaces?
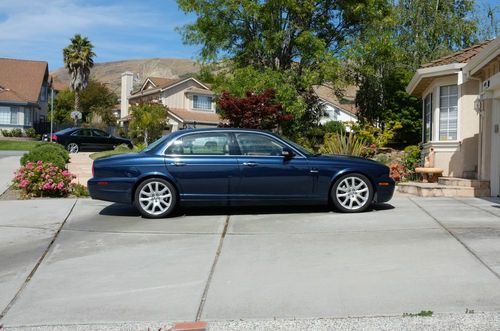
{"x":78,"y":59}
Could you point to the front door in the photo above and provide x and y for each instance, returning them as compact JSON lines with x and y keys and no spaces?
{"x":203,"y":166}
{"x":266,"y":174}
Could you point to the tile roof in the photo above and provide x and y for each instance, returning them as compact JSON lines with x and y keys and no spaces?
{"x":195,"y":116}
{"x":462,"y":56}
{"x":347,"y":103}
{"x":163,"y":82}
{"x":21,"y":80}
{"x":58,"y":86}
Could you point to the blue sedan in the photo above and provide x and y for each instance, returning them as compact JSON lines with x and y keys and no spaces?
{"x":234,"y":167}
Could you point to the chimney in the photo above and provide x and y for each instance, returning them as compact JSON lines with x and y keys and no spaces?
{"x":126,"y":88}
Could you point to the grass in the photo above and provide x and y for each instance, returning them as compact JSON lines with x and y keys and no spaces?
{"x":423,"y":313}
{"x":122,"y":149}
{"x":13,"y":145}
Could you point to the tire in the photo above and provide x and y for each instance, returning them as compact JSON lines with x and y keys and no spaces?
{"x":352,"y":193}
{"x":72,"y":147}
{"x":155,"y":198}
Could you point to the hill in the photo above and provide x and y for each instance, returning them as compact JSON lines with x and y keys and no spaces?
{"x":110,"y":72}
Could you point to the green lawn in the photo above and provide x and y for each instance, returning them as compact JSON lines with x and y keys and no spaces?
{"x":13,"y":145}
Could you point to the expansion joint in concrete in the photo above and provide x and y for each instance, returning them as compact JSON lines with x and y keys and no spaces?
{"x":212,"y":270}
{"x":37,"y":265}
{"x":457,"y":239}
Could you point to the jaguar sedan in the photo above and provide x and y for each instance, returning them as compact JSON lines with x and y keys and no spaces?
{"x":230,"y":167}
{"x":77,"y":139}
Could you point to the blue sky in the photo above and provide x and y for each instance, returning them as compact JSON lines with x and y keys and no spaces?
{"x":119,"y":29}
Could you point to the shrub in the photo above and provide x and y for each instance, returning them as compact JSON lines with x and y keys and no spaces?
{"x":16,"y":132}
{"x":374,"y":135}
{"x":334,"y":126}
{"x":6,"y":133}
{"x":43,"y":179}
{"x":398,"y":172}
{"x":31,"y":133}
{"x":80,"y":190}
{"x":344,"y":144}
{"x":47,"y":152}
{"x":411,"y":159}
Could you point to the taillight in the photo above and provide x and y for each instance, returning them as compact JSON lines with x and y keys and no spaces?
{"x":54,"y":137}
{"x":92,"y":168}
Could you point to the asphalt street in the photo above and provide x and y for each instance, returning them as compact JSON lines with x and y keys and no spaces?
{"x":66,"y":262}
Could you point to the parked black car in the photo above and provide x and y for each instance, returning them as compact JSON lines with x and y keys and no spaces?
{"x":76,"y":139}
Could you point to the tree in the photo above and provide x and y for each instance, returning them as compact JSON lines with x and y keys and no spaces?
{"x":254,"y":111}
{"x":285,"y":45}
{"x":78,"y":59}
{"x":148,"y":121}
{"x":97,"y":99}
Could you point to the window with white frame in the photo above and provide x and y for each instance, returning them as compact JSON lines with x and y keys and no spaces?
{"x":428,"y":118}
{"x":202,"y":102}
{"x":28,"y":116}
{"x":448,"y":112}
{"x":14,"y":115}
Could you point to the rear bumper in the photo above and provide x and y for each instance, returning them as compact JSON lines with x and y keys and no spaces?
{"x":385,"y":187}
{"x":111,"y":189}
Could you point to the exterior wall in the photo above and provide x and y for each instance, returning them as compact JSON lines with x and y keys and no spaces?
{"x":337,"y":114}
{"x":457,"y":158}
{"x":176,"y":97}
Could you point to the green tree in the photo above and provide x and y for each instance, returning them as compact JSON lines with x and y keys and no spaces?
{"x":78,"y":59}
{"x":96,"y":99}
{"x":286,"y":45}
{"x":148,"y":121}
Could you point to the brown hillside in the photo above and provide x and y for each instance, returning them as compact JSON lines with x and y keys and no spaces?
{"x":110,"y":72}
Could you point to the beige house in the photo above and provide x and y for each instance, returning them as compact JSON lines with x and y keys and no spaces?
{"x":461,"y":112}
{"x":189,"y":103}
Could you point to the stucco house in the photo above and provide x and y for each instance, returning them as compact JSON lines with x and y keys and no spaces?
{"x":461,"y":112}
{"x":190,"y":103}
{"x":24,"y":94}
{"x":337,"y":109}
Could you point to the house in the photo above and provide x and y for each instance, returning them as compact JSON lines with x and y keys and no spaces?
{"x":337,"y":109}
{"x":23,"y":92}
{"x":461,"y":112}
{"x":189,"y":103}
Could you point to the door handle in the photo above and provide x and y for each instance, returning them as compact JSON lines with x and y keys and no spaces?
{"x":178,"y":164}
{"x":314,"y":171}
{"x":249,"y":164}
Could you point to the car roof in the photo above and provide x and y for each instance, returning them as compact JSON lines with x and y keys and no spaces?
{"x":180,"y":132}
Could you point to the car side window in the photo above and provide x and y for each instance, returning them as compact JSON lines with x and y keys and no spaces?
{"x":200,"y":144}
{"x":99,"y":133}
{"x":82,"y":132}
{"x":253,"y":144}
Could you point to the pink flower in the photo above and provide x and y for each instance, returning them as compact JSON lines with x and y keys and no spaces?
{"x":60,"y":185}
{"x":39,"y":162}
{"x":29,"y":165}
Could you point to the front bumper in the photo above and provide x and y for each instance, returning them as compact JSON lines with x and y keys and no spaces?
{"x":385,"y":187}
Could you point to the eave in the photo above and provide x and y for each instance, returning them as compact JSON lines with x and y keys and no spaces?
{"x":424,"y":76}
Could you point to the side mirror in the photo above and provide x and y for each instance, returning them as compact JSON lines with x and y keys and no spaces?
{"x":287,"y":153}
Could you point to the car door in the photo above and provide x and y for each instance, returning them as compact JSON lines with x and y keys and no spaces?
{"x":203,"y":166}
{"x":266,"y":174}
{"x":83,"y":137}
{"x":101,"y":139}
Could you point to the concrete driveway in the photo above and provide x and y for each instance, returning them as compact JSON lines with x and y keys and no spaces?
{"x":66,"y":262}
{"x":9,"y":163}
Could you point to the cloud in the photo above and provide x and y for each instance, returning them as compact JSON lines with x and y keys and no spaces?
{"x":116,"y":28}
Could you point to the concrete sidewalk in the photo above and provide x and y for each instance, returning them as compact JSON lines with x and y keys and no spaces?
{"x":80,"y":165}
{"x":110,"y":267}
{"x":9,"y":163}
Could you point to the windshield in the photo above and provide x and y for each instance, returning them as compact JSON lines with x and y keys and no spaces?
{"x":297,"y":146}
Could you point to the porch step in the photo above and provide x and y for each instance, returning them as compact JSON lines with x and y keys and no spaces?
{"x":440,"y":190}
{"x":454,"y":181}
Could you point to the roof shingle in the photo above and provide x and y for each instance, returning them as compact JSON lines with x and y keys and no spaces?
{"x":21,"y":80}
{"x":462,"y":56}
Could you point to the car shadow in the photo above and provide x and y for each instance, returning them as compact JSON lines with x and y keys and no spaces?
{"x":118,"y":209}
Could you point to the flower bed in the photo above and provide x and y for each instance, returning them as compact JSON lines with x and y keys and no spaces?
{"x":43,"y":180}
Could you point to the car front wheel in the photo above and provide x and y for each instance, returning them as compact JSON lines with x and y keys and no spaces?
{"x":155,"y":198}
{"x":352,"y":193}
{"x":72,"y":147}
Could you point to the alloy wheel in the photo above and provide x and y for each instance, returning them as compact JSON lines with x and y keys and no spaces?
{"x":352,"y":193}
{"x":72,"y":148}
{"x":155,"y":198}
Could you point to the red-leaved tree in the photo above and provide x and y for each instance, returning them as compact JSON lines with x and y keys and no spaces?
{"x":254,"y":111}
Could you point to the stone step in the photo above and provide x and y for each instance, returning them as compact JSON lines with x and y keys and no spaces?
{"x":439,"y":190}
{"x":454,"y":181}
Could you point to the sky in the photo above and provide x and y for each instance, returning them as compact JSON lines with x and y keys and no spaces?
{"x":119,"y":29}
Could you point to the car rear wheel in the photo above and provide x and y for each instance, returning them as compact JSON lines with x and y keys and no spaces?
{"x":72,"y":147}
{"x":352,"y":193}
{"x":155,"y":198}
